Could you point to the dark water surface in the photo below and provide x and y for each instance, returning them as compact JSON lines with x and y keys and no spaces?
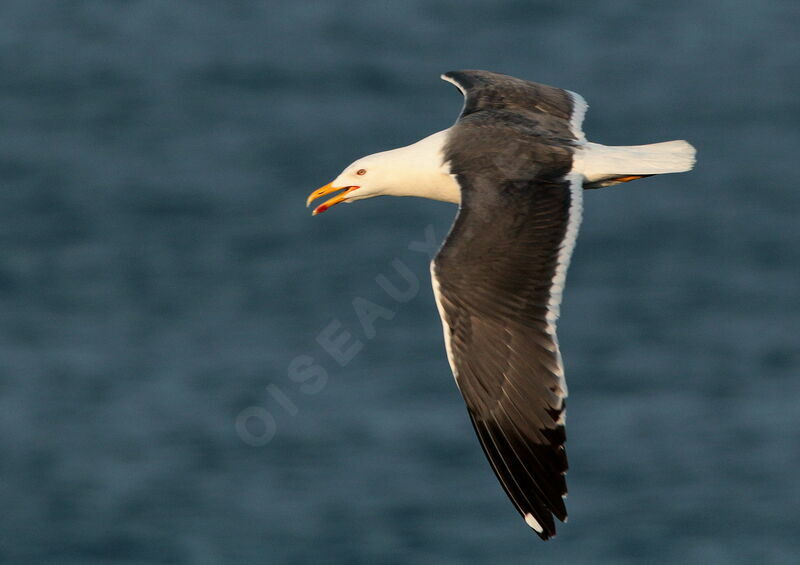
{"x":160,"y":280}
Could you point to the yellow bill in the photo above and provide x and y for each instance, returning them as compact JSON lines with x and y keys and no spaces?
{"x":328,"y":189}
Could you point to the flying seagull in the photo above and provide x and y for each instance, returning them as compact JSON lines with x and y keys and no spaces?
{"x":516,"y":161}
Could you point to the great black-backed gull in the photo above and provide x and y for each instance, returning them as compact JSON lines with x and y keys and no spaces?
{"x":516,"y":161}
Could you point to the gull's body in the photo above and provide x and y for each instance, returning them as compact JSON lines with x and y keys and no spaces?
{"x":516,"y":162}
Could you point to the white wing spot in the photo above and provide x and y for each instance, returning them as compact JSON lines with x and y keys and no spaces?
{"x":531,"y":521}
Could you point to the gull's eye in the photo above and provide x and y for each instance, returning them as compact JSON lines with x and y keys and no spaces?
{"x":361,"y":172}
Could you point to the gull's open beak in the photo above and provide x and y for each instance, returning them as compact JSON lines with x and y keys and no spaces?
{"x":327,"y":189}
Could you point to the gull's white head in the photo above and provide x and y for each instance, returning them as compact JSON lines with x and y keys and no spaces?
{"x":369,"y":176}
{"x":415,"y":170}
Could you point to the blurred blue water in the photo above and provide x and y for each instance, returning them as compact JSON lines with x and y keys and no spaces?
{"x":159,"y":275}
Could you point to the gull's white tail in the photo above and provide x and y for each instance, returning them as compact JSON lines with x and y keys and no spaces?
{"x":603,"y":165}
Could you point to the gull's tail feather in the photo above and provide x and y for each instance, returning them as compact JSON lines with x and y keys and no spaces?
{"x":604,"y":165}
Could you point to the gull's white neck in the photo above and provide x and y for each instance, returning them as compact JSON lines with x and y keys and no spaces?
{"x":419,"y":169}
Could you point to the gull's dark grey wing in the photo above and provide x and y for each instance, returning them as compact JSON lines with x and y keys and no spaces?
{"x":560,"y":111}
{"x":498,"y":281}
